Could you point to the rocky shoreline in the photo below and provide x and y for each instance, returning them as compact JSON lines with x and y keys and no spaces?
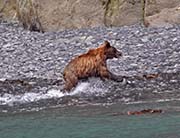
{"x":31,"y":54}
{"x":31,"y":61}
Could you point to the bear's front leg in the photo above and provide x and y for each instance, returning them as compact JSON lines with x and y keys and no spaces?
{"x":105,"y":73}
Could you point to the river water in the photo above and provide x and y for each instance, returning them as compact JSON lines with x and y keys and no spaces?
{"x":95,"y":121}
{"x":90,"y":111}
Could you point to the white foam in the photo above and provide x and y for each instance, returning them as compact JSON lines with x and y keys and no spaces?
{"x":89,"y":88}
{"x":54,"y":93}
{"x":80,"y":88}
{"x":10,"y":99}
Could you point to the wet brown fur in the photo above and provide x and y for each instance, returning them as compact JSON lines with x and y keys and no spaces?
{"x":92,"y":63}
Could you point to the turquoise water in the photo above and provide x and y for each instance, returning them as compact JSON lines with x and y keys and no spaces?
{"x":89,"y":122}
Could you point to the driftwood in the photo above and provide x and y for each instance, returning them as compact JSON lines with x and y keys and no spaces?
{"x":145,"y":111}
{"x":141,"y":112}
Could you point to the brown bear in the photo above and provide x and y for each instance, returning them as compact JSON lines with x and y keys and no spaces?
{"x":91,"y":64}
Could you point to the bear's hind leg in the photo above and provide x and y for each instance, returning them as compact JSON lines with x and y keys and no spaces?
{"x":70,"y":82}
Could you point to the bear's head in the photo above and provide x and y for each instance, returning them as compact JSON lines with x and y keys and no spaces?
{"x":110,"y":51}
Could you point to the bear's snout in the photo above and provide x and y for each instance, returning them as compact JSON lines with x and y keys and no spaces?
{"x":118,"y":54}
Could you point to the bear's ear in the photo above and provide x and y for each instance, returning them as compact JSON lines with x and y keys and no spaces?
{"x":107,"y":44}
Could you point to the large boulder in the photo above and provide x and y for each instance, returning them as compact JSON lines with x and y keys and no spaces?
{"x":162,"y":12}
{"x":89,"y":13}
{"x":165,"y":17}
{"x":63,"y":14}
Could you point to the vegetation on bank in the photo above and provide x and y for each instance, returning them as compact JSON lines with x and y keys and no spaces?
{"x":25,"y":11}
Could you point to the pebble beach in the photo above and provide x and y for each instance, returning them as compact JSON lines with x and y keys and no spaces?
{"x":32,"y":61}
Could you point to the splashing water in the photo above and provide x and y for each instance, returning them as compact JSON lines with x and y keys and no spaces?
{"x":93,"y":87}
{"x":80,"y":88}
{"x":10,"y":99}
